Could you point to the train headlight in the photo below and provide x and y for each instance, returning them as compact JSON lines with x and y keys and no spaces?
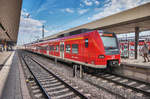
{"x":101,"y":56}
{"x":92,"y":62}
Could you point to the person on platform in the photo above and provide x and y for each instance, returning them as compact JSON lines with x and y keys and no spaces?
{"x":145,"y":50}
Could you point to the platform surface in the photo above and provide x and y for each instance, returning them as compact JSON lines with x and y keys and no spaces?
{"x":3,"y":56}
{"x":136,"y":62}
{"x":15,"y":83}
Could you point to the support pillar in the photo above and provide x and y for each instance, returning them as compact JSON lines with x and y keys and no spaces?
{"x":74,"y":70}
{"x":136,"y":41}
{"x":128,"y":49}
{"x":55,"y":61}
{"x":81,"y":71}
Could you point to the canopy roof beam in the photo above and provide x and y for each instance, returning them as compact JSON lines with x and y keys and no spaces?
{"x":5,"y":31}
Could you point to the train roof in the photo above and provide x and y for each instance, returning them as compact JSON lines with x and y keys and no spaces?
{"x":63,"y":36}
{"x":68,"y":35}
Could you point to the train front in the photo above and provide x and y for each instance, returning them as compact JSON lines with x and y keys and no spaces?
{"x":111,"y":47}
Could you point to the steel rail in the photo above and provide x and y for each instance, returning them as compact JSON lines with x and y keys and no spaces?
{"x":96,"y":85}
{"x":133,"y":88}
{"x":125,"y":85}
{"x":140,"y":81}
{"x":105,"y":89}
{"x":37,"y":81}
{"x":93,"y":84}
{"x":67,"y":85}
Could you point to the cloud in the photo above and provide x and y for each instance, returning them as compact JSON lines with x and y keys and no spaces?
{"x":88,"y":18}
{"x":82,"y":11}
{"x":30,"y":27}
{"x":54,"y":31}
{"x":81,"y":5}
{"x":69,"y":10}
{"x":115,"y":6}
{"x":88,"y":2}
{"x":24,"y":13}
{"x":97,"y":2}
{"x":44,"y":5}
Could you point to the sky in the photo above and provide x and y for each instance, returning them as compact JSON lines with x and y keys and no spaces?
{"x":60,"y":15}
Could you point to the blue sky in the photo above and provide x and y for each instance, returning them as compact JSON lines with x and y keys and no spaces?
{"x":59,"y":15}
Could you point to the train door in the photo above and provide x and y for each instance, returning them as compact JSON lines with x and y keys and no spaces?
{"x":83,"y":54}
{"x":62,"y":50}
{"x":85,"y":50}
{"x":47,"y":48}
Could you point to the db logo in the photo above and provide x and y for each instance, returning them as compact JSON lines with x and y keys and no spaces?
{"x":113,"y":57}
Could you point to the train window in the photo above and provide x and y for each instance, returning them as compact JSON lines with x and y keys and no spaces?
{"x":86,"y":43}
{"x":53,"y":48}
{"x":109,"y":42}
{"x":37,"y":48}
{"x":56,"y":48}
{"x":68,"y":48}
{"x":74,"y":48}
{"x":50,"y":48}
{"x":41,"y":48}
{"x":47,"y":47}
{"x":44,"y":48}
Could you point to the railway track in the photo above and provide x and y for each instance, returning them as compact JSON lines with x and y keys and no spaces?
{"x":52,"y":86}
{"x":136,"y":85}
{"x":126,"y":87}
{"x":132,"y":88}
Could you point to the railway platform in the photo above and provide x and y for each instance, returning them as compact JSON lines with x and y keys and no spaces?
{"x":12,"y":81}
{"x":136,"y":68}
{"x":136,"y":63}
{"x":3,"y":57}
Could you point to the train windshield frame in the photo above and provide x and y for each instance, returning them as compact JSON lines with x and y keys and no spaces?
{"x":110,"y":42}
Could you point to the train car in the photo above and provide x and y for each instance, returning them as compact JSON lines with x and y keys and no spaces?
{"x":127,"y":47}
{"x":95,"y":49}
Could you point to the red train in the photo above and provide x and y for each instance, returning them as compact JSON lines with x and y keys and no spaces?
{"x":96,"y":49}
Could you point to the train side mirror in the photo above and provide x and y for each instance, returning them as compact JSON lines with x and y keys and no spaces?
{"x":86,"y":43}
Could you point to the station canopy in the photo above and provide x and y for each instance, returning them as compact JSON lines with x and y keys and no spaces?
{"x":123,"y":22}
{"x":9,"y":20}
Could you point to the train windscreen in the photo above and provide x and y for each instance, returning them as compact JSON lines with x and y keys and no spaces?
{"x":110,"y":43}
